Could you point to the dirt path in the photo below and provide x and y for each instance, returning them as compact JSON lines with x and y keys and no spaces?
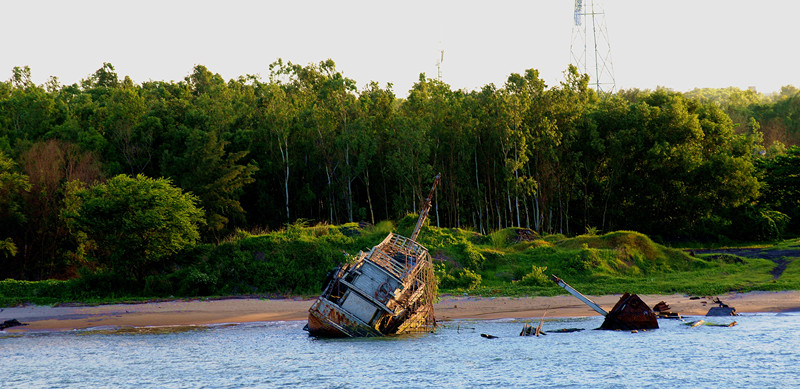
{"x":782,"y":258}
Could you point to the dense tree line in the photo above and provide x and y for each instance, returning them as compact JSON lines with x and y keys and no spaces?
{"x":307,"y":144}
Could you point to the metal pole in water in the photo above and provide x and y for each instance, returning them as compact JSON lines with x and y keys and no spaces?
{"x":580,"y":296}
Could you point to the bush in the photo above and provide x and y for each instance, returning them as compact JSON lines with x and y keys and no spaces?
{"x":44,"y":289}
{"x":136,"y":223}
{"x":536,"y":277}
{"x":460,"y":279}
{"x":406,"y":225}
{"x":469,"y":257}
{"x":196,"y":283}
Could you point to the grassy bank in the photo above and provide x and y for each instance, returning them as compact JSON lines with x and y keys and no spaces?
{"x":512,"y":261}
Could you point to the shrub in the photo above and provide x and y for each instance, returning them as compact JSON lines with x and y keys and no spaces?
{"x":536,"y":277}
{"x":460,"y":279}
{"x":470,"y":258}
{"x":136,"y":222}
{"x":196,"y":283}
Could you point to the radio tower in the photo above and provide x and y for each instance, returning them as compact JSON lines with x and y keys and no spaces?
{"x":439,"y":65}
{"x":590,"y":50}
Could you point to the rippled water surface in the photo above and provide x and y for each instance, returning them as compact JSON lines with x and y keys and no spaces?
{"x":763,"y":350}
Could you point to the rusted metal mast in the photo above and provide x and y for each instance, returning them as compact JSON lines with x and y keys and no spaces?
{"x":426,"y":207}
{"x":580,"y":296}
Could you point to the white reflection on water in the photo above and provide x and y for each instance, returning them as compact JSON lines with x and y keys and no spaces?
{"x":761,"y":351}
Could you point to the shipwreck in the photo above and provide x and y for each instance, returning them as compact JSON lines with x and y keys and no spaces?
{"x":389,"y":290}
{"x":630,"y":312}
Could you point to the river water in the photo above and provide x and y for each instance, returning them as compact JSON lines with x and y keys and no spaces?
{"x":762,"y":350}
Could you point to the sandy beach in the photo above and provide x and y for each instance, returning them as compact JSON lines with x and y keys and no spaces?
{"x":238,"y":310}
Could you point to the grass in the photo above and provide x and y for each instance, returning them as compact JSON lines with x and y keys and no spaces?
{"x":624,"y":261}
{"x":294,"y":261}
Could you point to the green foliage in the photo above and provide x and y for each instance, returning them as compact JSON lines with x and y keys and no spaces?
{"x":306,"y":150}
{"x":216,"y":178}
{"x":8,"y":248}
{"x":294,"y":262}
{"x":132,"y":225}
{"x":782,"y":192}
{"x":308,"y":144}
{"x":405,"y":226}
{"x":500,"y":238}
{"x":14,"y":292}
{"x":468,"y":256}
{"x":536,"y":277}
{"x":457,"y":278}
{"x":13,"y":186}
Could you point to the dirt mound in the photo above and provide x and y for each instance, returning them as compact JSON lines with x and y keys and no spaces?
{"x":525,"y":235}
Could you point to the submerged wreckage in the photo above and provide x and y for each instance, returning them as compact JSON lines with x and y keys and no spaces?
{"x":388,"y":290}
{"x":630,"y":312}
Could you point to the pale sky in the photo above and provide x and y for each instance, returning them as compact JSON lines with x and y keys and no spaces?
{"x":678,"y":44}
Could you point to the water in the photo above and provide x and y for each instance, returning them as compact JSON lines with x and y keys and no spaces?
{"x":761,"y":351}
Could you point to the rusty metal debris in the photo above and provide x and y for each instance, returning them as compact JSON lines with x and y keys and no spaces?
{"x":630,"y":312}
{"x":566,"y":330}
{"x":388,"y":290}
{"x":662,"y":306}
{"x":528,"y":330}
{"x":662,"y":311}
{"x":722,"y":309}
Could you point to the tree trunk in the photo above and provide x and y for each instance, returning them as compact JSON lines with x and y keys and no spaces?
{"x":369,"y":198}
{"x":330,"y":193}
{"x":516,"y":177}
{"x":349,"y":185}
{"x":508,"y":197}
{"x":478,"y":195}
{"x":283,"y":146}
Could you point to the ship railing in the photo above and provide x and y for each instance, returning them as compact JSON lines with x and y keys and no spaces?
{"x":403,"y":244}
{"x":412,"y":251}
{"x":385,"y":261}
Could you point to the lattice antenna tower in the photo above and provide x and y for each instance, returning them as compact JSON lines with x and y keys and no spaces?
{"x":590,"y":50}
{"x":439,"y":65}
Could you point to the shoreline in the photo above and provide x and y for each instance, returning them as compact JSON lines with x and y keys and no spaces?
{"x":247,"y":310}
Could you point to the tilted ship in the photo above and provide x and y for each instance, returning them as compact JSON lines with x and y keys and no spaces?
{"x":389,"y":290}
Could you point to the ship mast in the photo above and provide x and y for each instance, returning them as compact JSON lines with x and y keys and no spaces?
{"x":426,"y":206}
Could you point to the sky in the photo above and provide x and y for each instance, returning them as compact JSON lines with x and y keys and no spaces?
{"x":677,"y":44}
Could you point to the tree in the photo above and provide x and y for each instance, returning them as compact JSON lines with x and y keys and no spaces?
{"x":214,"y":175}
{"x":133,"y":224}
{"x":49,"y":166}
{"x":670,"y":163}
{"x":12,"y":186}
{"x":782,"y":178}
{"x":276,"y":112}
{"x":378,"y":114}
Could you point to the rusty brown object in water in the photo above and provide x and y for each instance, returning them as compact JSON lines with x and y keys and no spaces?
{"x":661,"y":307}
{"x":630,"y":313}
